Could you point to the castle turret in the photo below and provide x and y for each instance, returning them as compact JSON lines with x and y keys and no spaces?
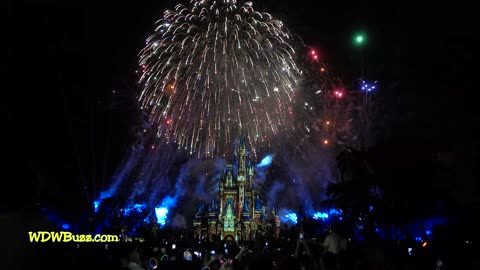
{"x":246,"y":210}
{"x":212,"y":219}
{"x":250,"y":176}
{"x":197,"y":221}
{"x":276,"y":221}
{"x":241,"y":176}
{"x":199,"y":211}
{"x":229,"y":176}
{"x":242,"y":152}
{"x":213,"y":207}
{"x":246,"y":221}
{"x":262,"y":216}
{"x":258,"y":205}
{"x":220,"y":210}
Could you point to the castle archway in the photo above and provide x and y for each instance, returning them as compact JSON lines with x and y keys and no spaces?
{"x":229,"y":238}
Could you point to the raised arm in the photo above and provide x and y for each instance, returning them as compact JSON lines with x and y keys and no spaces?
{"x":297,"y":249}
{"x":326,"y":244}
{"x":240,"y":253}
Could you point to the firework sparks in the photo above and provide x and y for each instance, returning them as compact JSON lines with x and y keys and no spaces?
{"x":216,"y":70}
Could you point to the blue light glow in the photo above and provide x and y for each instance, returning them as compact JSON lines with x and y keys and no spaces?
{"x":161,"y":213}
{"x":266,"y":161}
{"x":327,"y":214}
{"x":320,"y":215}
{"x":428,"y":232}
{"x":334,"y":211}
{"x":169,"y":202}
{"x":136,"y":208}
{"x":65,"y":226}
{"x":292,"y":217}
{"x":96,"y":205}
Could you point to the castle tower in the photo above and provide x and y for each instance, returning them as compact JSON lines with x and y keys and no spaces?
{"x":241,"y":175}
{"x":258,"y":207}
{"x":220,"y":211}
{"x":242,"y":152}
{"x":212,"y":219}
{"x":197,"y":222}
{"x":229,"y":177}
{"x":262,"y":217}
{"x":250,"y":176}
{"x":276,"y":221}
{"x":246,"y":222}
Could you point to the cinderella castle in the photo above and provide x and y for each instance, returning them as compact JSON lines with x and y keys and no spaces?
{"x":237,"y":213}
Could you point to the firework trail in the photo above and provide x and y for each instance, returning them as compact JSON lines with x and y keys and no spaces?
{"x":215,"y":70}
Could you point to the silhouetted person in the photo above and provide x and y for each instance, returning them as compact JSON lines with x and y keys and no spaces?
{"x":333,"y":244}
{"x":134,"y":261}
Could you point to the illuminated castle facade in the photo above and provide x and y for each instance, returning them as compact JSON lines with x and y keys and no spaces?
{"x":237,"y":213}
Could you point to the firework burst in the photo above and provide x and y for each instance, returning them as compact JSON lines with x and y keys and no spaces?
{"x":216,"y":70}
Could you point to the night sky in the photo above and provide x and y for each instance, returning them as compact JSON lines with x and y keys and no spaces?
{"x":66,"y":129}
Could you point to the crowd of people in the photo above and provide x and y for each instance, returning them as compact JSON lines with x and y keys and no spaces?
{"x":214,"y":254}
{"x":331,"y":250}
{"x":178,"y":249}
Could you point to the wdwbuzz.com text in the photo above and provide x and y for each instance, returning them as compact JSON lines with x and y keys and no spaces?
{"x":62,"y":237}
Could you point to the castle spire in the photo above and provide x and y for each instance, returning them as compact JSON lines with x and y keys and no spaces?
{"x":213,"y":207}
{"x":229,"y":176}
{"x":246,"y":211}
{"x":242,"y":153}
{"x":262,"y":216}
{"x":199,"y":206}
{"x":242,"y":141}
{"x":246,"y":207}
